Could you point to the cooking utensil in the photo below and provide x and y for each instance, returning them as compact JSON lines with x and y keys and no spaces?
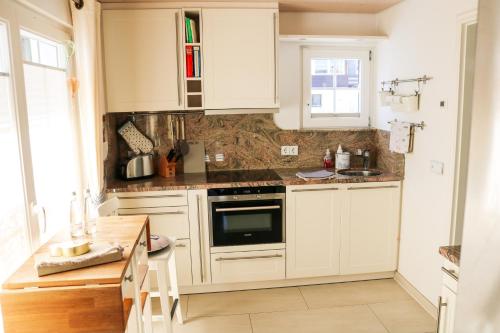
{"x":183,"y":145}
{"x":171,"y":153}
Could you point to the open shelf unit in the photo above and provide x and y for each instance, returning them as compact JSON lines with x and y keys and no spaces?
{"x":192,"y":51}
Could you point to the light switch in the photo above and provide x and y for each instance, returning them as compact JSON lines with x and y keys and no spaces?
{"x":437,"y":167}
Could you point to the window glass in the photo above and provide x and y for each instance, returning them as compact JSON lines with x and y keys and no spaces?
{"x":335,"y":86}
{"x":50,"y":129}
{"x":14,"y":244}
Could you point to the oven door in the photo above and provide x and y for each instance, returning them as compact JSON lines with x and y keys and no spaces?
{"x":247,"y":222}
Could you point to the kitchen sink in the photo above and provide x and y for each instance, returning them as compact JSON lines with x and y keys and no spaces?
{"x":359,"y":172}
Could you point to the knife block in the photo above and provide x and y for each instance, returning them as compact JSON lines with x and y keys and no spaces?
{"x":166,"y":169}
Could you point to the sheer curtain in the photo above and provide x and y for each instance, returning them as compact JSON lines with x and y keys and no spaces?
{"x":89,"y":70}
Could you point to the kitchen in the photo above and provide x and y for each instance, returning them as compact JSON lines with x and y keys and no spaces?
{"x":307,"y":163}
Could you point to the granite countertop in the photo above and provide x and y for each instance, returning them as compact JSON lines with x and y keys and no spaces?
{"x":199,"y":181}
{"x":452,"y":253}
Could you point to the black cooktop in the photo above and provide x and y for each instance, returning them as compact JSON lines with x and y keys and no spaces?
{"x":235,"y":176}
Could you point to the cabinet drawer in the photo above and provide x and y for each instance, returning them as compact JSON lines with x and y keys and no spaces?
{"x":152,"y":199}
{"x":248,"y":266}
{"x":166,"y":221}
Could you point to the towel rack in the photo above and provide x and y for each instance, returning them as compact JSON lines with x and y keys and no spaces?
{"x":420,"y":125}
{"x":394,"y":83}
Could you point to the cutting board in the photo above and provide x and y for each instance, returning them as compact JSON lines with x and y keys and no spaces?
{"x":194,"y":161}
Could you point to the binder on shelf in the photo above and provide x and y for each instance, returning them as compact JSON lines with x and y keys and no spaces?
{"x":194,"y":34}
{"x":189,"y":61}
{"x":189,"y":35}
{"x":196,"y":62}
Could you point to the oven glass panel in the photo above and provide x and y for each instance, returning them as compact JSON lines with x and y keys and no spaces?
{"x":247,"y":222}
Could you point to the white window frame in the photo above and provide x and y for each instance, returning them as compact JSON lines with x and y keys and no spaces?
{"x":342,"y":120}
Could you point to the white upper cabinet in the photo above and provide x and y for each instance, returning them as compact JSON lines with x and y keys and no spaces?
{"x":143,"y":61}
{"x":370,"y":228}
{"x":313,"y":231}
{"x":240,"y":58}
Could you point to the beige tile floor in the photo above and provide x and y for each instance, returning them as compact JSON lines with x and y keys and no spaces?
{"x":380,"y":306}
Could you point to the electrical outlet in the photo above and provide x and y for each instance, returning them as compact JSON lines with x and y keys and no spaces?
{"x":289,"y":150}
{"x":219,"y":157}
{"x":437,"y":167}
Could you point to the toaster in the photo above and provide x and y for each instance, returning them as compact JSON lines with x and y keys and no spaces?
{"x":137,"y":167}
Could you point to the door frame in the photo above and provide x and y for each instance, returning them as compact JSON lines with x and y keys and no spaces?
{"x":464,"y":22}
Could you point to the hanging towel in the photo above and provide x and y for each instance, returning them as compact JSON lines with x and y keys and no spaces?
{"x":137,"y":141}
{"x":400,"y":138}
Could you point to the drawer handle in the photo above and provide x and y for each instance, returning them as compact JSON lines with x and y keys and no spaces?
{"x":129,"y":278}
{"x":450,"y":273}
{"x":371,"y":187}
{"x":242,"y":209}
{"x":154,"y":196}
{"x":180,"y":245}
{"x":179,"y":212}
{"x":254,"y":257}
{"x":440,"y":305}
{"x":317,"y":189}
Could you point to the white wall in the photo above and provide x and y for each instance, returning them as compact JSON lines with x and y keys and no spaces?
{"x":424,"y":39}
{"x":304,"y":23}
{"x":56,"y":8}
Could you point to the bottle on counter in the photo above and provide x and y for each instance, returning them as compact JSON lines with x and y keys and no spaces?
{"x":327,"y":160}
{"x":89,"y":217}
{"x":75,"y":218}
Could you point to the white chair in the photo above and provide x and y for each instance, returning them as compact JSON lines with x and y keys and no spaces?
{"x":163,"y":263}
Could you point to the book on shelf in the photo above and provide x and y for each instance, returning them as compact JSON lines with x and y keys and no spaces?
{"x":196,"y":61}
{"x":191,"y":32}
{"x":189,"y":61}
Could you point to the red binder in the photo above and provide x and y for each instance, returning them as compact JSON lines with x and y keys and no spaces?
{"x":189,"y":61}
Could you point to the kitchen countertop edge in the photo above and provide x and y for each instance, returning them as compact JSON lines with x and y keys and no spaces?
{"x":198,"y":181}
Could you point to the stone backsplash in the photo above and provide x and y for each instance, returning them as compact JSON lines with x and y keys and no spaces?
{"x":253,"y":141}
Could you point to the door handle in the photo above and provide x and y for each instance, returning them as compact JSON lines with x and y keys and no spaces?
{"x":243,"y":209}
{"x":441,"y":304}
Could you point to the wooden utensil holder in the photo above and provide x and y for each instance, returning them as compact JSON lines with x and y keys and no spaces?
{"x":166,"y":169}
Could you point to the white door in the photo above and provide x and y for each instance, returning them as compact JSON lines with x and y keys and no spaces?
{"x":142,"y":60}
{"x":370,"y":229}
{"x":240,"y":58}
{"x":312,"y":231}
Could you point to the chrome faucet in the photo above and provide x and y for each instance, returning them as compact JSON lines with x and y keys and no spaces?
{"x":366,"y":159}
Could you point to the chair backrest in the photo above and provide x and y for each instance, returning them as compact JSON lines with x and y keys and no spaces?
{"x":109,"y":207}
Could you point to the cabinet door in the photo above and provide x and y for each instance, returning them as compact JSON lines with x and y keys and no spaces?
{"x":142,"y":60}
{"x":313,"y":232}
{"x":370,"y":229}
{"x":447,"y":311}
{"x":183,"y":262}
{"x":200,"y":236}
{"x":240,"y":58}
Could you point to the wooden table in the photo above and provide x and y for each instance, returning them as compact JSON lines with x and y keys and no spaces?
{"x":85,"y":300}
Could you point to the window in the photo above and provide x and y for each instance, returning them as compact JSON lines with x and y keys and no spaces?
{"x":50,"y":121}
{"x":14,"y":244}
{"x":335,"y":88}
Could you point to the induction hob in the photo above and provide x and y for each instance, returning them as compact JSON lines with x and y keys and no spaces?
{"x":235,"y":176}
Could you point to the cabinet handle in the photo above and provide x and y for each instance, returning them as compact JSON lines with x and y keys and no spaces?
{"x":129,"y":278}
{"x":440,"y":305}
{"x":253,"y":257}
{"x":275,"y":61}
{"x":154,"y":196}
{"x":371,"y":187}
{"x":180,"y":245}
{"x":177,"y":50}
{"x":316,"y":189}
{"x":450,"y":273}
{"x":199,"y":235}
{"x":178,"y":212}
{"x":242,"y":209}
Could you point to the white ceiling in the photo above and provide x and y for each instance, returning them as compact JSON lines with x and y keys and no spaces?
{"x":334,"y":6}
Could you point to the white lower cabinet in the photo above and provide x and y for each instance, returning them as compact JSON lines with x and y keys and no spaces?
{"x":342,"y":229}
{"x":448,"y":298}
{"x":313,"y":231}
{"x":183,"y":262}
{"x":370,"y":225}
{"x":248,"y":266}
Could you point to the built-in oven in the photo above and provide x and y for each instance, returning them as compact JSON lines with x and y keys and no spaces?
{"x":248,"y":215}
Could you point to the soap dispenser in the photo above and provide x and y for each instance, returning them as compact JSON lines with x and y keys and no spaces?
{"x":327,"y":160}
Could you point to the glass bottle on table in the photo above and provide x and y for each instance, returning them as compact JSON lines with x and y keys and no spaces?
{"x":89,"y":217}
{"x":75,"y":218}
